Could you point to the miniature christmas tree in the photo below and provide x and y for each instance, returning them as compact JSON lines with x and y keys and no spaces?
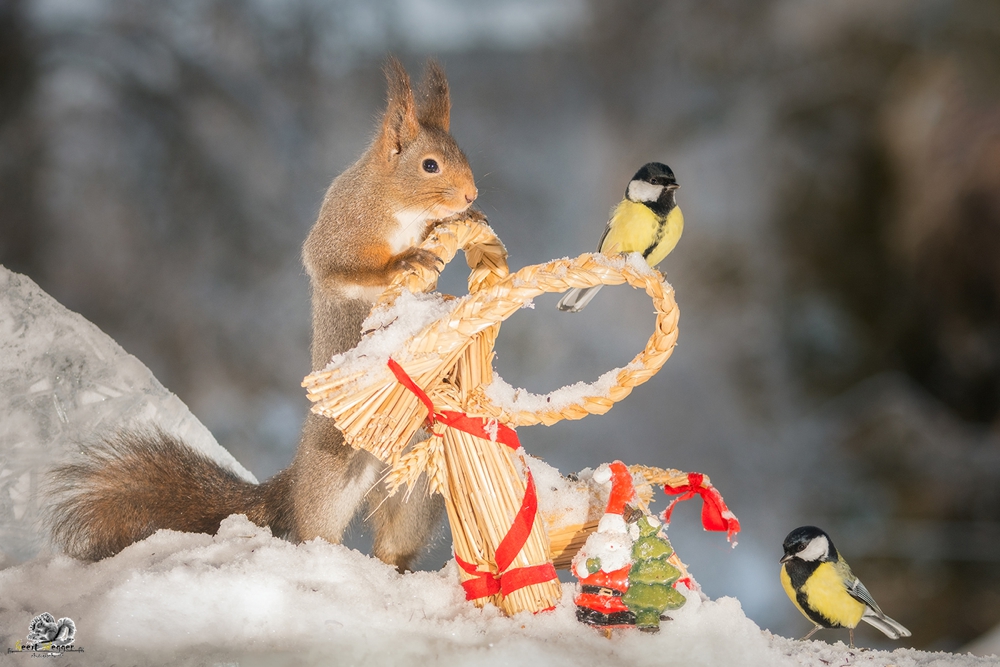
{"x":651,"y":577}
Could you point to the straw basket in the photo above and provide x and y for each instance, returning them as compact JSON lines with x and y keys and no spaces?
{"x":439,"y":375}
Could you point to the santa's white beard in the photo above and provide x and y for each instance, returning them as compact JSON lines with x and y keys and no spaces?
{"x":613,"y":549}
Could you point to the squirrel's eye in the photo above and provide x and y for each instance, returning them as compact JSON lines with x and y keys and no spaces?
{"x":431,"y":166}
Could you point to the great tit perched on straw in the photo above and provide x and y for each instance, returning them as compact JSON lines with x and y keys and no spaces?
{"x":647,"y":220}
{"x":820,"y":584}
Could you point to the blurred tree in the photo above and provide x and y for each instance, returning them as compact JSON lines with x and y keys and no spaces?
{"x":886,"y":186}
{"x":892,"y":219}
{"x":20,"y":144}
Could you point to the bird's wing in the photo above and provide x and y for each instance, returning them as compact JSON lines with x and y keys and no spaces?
{"x":860,"y":593}
{"x":607,"y":228}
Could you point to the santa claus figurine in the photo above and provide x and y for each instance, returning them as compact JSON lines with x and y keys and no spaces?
{"x":628,"y":544}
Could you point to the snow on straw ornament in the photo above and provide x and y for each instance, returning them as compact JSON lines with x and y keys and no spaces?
{"x":411,"y":372}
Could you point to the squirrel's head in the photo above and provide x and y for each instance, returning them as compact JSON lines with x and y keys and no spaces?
{"x":425,"y":170}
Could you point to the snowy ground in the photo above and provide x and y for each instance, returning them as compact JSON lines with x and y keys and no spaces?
{"x":244,"y":597}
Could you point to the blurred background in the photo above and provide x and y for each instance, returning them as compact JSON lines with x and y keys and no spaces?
{"x":838,"y":279}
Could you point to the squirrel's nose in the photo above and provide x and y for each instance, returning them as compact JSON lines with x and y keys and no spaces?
{"x":469,"y":198}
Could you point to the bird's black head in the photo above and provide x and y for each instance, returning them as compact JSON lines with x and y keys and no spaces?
{"x":655,"y":173}
{"x":653,"y":183}
{"x":809,"y":543}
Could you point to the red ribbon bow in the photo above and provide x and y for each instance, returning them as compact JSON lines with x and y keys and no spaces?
{"x":714,"y":513}
{"x":490,"y":583}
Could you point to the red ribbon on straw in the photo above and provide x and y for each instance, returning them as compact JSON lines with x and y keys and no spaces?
{"x":714,"y":513}
{"x":490,"y":583}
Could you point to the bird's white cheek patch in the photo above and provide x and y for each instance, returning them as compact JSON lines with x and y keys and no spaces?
{"x":643,"y":191}
{"x":815,"y":550}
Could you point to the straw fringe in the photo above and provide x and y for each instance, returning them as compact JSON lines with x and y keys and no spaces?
{"x":426,"y":456}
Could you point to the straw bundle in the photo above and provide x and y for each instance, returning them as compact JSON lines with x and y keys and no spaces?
{"x":490,"y":484}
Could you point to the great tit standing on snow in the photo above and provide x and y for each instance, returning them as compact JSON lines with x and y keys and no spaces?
{"x":820,"y":584}
{"x":648,"y":220}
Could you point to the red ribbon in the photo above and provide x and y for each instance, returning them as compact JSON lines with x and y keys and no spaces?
{"x":490,"y":583}
{"x":714,"y":513}
{"x":408,"y":382}
{"x":482,"y":585}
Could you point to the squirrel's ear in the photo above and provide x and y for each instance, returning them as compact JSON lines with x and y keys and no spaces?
{"x":434,"y":108}
{"x":399,"y":123}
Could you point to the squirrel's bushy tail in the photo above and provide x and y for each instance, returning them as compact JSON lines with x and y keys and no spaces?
{"x":136,"y":482}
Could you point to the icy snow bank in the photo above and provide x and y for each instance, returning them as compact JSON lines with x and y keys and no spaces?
{"x":64,"y":383}
{"x":243,"y":596}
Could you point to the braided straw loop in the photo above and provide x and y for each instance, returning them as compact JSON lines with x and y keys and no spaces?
{"x":484,"y":253}
{"x":587,"y":270}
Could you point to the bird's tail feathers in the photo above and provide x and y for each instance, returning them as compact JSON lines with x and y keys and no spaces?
{"x":892,"y":629}
{"x":577,"y":298}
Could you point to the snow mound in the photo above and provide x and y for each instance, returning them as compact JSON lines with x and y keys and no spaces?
{"x":64,"y":384}
{"x":243,"y":596}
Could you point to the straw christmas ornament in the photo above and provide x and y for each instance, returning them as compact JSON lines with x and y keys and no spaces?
{"x":423,"y":373}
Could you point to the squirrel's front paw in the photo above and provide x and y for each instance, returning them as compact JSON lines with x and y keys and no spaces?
{"x":418,"y":257}
{"x":468,"y":215}
{"x":475,"y":215}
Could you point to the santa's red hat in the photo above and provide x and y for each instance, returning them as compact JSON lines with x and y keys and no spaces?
{"x":622,"y":493}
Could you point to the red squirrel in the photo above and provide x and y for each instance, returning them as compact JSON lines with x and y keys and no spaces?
{"x":373,"y":216}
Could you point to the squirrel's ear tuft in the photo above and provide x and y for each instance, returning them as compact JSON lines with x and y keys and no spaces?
{"x":434,"y":108}
{"x":399,"y":123}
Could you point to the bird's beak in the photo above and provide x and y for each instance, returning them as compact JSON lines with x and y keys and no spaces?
{"x":673,"y":186}
{"x":786,"y":558}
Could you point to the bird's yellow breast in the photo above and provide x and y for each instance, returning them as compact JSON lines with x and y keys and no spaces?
{"x":827,"y":594}
{"x":635,"y":228}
